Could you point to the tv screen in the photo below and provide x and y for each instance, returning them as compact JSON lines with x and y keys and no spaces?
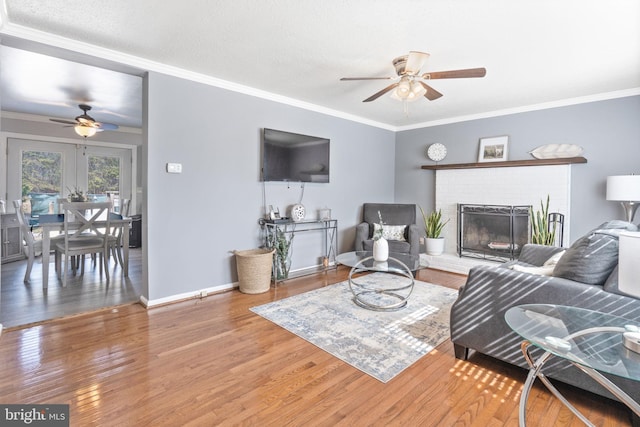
{"x":293,"y":157}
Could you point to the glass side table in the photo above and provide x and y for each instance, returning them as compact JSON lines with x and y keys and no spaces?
{"x":589,"y":340}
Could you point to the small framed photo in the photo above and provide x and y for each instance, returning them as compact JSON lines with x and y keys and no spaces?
{"x":493,"y":149}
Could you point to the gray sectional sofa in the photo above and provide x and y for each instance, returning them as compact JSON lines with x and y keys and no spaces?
{"x":584,"y":276}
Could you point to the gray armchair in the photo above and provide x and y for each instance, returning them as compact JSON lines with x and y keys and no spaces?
{"x":392,"y":214}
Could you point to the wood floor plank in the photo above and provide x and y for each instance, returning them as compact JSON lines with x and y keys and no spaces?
{"x":212,"y":361}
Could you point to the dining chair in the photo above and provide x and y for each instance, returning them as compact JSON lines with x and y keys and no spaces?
{"x":33,"y":243}
{"x":88,"y":233}
{"x":115,"y":242}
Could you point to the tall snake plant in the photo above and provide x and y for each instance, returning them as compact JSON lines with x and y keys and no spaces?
{"x":541,"y":233}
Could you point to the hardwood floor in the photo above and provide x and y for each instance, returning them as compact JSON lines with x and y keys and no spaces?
{"x":211,"y":361}
{"x":27,"y":303}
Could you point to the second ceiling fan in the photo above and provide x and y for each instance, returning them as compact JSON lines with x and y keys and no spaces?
{"x":85,"y":125}
{"x":410,"y":84}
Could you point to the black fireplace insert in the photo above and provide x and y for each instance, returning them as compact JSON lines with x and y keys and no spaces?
{"x":492,"y":232}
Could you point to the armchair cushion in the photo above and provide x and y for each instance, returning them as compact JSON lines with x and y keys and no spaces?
{"x":392,"y":232}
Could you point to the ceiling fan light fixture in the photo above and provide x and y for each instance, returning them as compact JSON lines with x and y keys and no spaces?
{"x":403,"y":90}
{"x":417,"y":91}
{"x":86,"y":131}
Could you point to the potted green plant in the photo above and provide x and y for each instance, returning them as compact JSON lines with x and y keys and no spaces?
{"x":283,"y":259}
{"x":76,"y":195}
{"x":541,"y":233}
{"x":380,"y":244}
{"x":433,"y":226}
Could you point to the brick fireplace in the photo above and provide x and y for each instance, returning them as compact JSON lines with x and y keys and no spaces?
{"x":511,"y":186}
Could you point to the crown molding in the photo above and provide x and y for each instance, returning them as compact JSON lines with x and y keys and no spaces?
{"x":36,"y":36}
{"x":527,"y":108}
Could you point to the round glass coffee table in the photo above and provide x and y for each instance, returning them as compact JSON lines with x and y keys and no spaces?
{"x":382,"y":293}
{"x":591,"y":341}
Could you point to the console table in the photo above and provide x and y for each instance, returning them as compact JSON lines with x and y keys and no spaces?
{"x":591,"y":341}
{"x":279,"y":236}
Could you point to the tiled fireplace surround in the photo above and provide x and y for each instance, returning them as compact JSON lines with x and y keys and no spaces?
{"x":525,"y":185}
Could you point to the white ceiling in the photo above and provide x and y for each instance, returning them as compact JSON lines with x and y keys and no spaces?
{"x":537,"y":53}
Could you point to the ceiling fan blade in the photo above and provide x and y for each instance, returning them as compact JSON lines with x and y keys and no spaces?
{"x":380,"y":93}
{"x":66,"y":122}
{"x":106,"y":126}
{"x":366,"y":78}
{"x":455,"y":74}
{"x":415,"y":62}
{"x":431,"y":93}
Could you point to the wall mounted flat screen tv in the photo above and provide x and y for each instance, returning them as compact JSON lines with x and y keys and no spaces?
{"x":293,"y":157}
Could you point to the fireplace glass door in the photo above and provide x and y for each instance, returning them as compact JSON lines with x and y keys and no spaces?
{"x":492,"y":232}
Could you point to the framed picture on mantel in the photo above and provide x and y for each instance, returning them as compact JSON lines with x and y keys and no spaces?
{"x":493,"y":149}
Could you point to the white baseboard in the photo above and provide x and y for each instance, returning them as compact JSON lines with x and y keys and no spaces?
{"x":221,"y":288}
{"x":147,"y":303}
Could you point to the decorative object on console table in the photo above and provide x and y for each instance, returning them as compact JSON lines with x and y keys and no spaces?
{"x":626,"y":190}
{"x":493,"y":149}
{"x":324,"y":214}
{"x":433,"y":226}
{"x":297,"y":212}
{"x":380,"y":244}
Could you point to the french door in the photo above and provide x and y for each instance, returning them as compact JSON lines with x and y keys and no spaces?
{"x":39,"y":173}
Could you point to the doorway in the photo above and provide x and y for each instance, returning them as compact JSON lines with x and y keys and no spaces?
{"x":39,"y":173}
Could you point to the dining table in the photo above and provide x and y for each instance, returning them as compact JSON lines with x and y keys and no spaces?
{"x":55,"y":222}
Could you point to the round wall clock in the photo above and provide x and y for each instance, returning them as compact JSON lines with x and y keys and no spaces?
{"x":437,"y":152}
{"x":297,"y":212}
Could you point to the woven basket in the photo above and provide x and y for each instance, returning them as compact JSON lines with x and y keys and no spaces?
{"x":254,"y":270}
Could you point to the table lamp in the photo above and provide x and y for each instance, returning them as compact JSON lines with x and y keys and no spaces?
{"x":626,"y":190}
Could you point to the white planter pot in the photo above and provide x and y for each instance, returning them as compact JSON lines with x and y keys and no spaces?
{"x":435,"y":246}
{"x":380,"y":250}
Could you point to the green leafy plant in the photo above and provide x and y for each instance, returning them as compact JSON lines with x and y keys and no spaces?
{"x":433,"y":223}
{"x":378,"y":231}
{"x":283,"y":261}
{"x":76,"y":195}
{"x":541,"y":233}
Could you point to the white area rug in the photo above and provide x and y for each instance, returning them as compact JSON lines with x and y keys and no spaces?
{"x":381,"y":344}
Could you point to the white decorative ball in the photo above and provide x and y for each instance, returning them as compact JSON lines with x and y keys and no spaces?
{"x":297,"y":212}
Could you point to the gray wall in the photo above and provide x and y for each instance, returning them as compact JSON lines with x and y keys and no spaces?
{"x":609,"y":132}
{"x":193,"y":220}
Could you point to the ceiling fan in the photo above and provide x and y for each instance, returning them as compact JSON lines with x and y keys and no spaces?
{"x":85,"y":125}
{"x":410,"y":84}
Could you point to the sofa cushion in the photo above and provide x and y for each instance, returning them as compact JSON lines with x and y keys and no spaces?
{"x":545,"y":269}
{"x":592,"y":258}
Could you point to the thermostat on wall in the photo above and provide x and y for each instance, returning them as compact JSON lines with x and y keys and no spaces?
{"x":174,"y":167}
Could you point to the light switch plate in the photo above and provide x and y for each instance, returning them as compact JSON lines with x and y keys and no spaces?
{"x":174,"y":167}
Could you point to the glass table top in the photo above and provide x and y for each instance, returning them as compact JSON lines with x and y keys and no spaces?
{"x":351,"y":259}
{"x":587,"y":337}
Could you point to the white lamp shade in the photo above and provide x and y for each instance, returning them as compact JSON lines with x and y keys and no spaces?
{"x":624,"y":188}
